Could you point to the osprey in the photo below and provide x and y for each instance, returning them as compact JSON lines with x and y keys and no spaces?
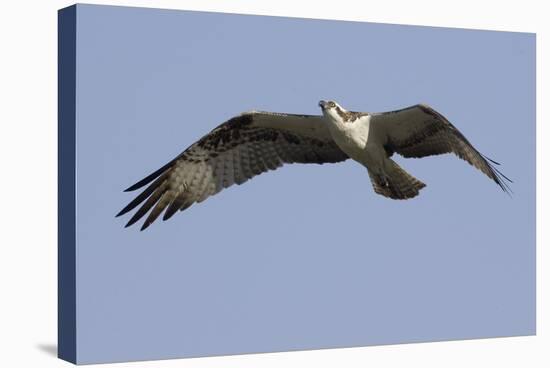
{"x":255,"y":142}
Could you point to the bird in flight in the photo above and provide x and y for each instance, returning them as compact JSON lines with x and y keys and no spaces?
{"x":255,"y":142}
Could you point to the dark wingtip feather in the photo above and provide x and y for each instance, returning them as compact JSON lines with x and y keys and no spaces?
{"x":142,"y":196}
{"x":149,"y":203}
{"x":141,"y":183}
{"x":172,"y":210}
{"x":161,"y":204}
{"x":149,"y":178}
{"x":490,"y":159}
{"x":133,"y":220}
{"x":175,"y":204}
{"x":501,"y":180}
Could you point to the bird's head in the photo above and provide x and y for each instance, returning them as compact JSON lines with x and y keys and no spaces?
{"x":332,"y":110}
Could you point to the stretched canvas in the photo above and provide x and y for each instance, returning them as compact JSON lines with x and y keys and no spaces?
{"x":307,"y":256}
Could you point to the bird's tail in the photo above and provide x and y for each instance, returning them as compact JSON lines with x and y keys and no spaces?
{"x":395,"y":183}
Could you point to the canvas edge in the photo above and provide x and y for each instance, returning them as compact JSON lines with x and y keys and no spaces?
{"x":66,"y":251}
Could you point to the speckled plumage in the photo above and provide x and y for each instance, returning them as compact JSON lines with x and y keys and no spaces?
{"x":255,"y":142}
{"x":234,"y":152}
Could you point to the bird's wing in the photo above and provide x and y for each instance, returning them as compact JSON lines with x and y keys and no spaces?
{"x":237,"y":150}
{"x":419,"y":131}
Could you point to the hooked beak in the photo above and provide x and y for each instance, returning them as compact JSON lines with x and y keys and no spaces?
{"x":322,"y":104}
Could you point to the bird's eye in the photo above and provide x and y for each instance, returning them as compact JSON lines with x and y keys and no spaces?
{"x":331,"y":104}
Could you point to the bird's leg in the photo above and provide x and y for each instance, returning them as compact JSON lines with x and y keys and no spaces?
{"x":383,"y":170}
{"x":382,"y":178}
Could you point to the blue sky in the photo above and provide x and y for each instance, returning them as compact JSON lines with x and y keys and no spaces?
{"x":306,"y":256}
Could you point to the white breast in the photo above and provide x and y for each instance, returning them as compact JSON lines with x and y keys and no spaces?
{"x":351,"y":137}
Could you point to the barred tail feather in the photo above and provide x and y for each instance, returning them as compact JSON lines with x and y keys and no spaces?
{"x":396,"y":183}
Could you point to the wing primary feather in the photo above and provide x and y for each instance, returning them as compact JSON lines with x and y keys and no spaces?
{"x":497,"y":171}
{"x":489,"y":159}
{"x":502,"y":175}
{"x":160,"y":206}
{"x":142,"y":196}
{"x":149,"y":178}
{"x":147,"y":205}
{"x":501,"y":179}
{"x":186,"y":205}
{"x":176,"y":204}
